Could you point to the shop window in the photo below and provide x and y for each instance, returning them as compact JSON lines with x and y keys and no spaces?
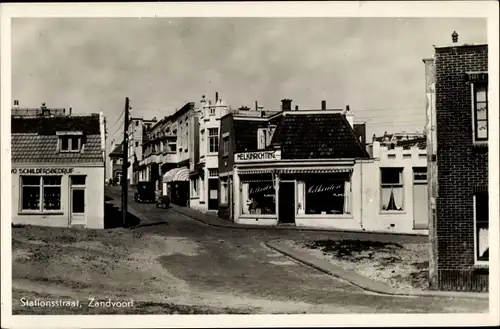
{"x":258,"y":198}
{"x":213,"y":140}
{"x":325,"y":195}
{"x":71,"y":143}
{"x":480,"y":112}
{"x":40,"y":193}
{"x":392,"y":189}
{"x":224,"y":190}
{"x":481,"y":217}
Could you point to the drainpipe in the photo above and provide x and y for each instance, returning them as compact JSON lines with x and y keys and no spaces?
{"x":361,"y":209}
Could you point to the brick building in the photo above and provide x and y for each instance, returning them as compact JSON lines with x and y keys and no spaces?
{"x":461,"y":113}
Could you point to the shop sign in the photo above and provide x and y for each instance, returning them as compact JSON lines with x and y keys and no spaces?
{"x":257,"y":156}
{"x":321,"y":188}
{"x":42,"y":171}
{"x":476,"y":76}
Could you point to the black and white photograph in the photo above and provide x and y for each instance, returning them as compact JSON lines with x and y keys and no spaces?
{"x":250,"y":160}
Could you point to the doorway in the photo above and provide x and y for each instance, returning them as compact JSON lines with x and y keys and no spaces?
{"x":286,"y":203}
{"x":420,"y":199}
{"x":213,"y":194}
{"x":77,"y":199}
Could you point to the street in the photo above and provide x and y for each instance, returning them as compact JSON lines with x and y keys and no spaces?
{"x":234,"y":267}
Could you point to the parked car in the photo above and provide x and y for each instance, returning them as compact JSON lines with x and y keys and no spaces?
{"x":145,"y":192}
{"x":162,"y":201}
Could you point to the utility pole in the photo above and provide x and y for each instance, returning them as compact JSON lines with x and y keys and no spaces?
{"x":125,"y":164}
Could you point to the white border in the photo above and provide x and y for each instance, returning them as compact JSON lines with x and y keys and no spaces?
{"x":269,"y":9}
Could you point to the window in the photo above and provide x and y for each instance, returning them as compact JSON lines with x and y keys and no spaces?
{"x":480,"y":112}
{"x":136,"y":144}
{"x":420,"y":174}
{"x":258,"y":197}
{"x":70,"y":143}
{"x":40,"y":193}
{"x":213,"y":172}
{"x":261,"y":138}
{"x":223,"y":192}
{"x":327,"y":195}
{"x":225,"y":145}
{"x":172,"y":147}
{"x":213,"y":140}
{"x":78,"y":180}
{"x":212,"y":111}
{"x":481,"y":217}
{"x":137,"y":123}
{"x":392,"y":189}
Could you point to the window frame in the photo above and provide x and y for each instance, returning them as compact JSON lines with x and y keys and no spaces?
{"x":41,"y":186}
{"x":70,"y":139}
{"x":215,"y":138}
{"x":474,"y":86}
{"x":392,"y":185}
{"x":477,"y":260}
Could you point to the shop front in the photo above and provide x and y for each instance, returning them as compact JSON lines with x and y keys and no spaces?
{"x":55,"y":195}
{"x":298,"y":194}
{"x":176,"y":185}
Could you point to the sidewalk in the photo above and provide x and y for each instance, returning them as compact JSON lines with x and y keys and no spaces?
{"x":212,"y":220}
{"x":362,"y":281}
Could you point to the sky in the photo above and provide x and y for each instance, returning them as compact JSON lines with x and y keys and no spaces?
{"x":374,"y":65}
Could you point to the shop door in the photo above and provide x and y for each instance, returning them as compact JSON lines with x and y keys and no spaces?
{"x":286,"y":203}
{"x":213,"y":194}
{"x":77,"y":196}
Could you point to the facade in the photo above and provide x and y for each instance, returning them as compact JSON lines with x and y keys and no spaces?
{"x":462,"y":218}
{"x":116,"y":162}
{"x":401,"y":170}
{"x":137,"y":129}
{"x":58,"y":168}
{"x":204,"y":175}
{"x":178,"y":154}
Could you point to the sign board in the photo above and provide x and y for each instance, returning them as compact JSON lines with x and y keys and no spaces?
{"x":42,"y":171}
{"x":257,"y":156}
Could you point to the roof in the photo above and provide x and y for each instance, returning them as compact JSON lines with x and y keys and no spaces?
{"x":245,"y":132}
{"x":34,"y":139}
{"x":420,"y":142}
{"x":317,"y":136}
{"x":117,"y":151}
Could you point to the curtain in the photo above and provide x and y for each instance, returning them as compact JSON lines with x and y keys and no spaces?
{"x":483,"y":242}
{"x":392,"y":198}
{"x":347,"y":197}
{"x":245,"y":199}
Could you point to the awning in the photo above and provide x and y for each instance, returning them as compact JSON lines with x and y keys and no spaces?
{"x":314,"y":170}
{"x":322,"y":170}
{"x":176,"y":175}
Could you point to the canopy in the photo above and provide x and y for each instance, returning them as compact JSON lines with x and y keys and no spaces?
{"x":176,"y":175}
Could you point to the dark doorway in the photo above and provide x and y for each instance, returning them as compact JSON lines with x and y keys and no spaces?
{"x":286,"y":203}
{"x":213,"y":194}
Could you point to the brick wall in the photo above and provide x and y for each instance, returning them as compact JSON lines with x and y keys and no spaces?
{"x":462,"y":167}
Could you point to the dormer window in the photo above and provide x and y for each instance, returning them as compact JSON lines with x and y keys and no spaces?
{"x":261,"y":138}
{"x":70,"y":141}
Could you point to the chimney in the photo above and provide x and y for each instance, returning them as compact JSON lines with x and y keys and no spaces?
{"x":323,"y":105}
{"x":454,"y":37}
{"x":296,"y":107}
{"x":16,"y":104}
{"x":349,"y":116}
{"x":286,"y":104}
{"x":256,"y":106}
{"x":69,"y":112}
{"x":374,"y":138}
{"x":216,"y":97}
